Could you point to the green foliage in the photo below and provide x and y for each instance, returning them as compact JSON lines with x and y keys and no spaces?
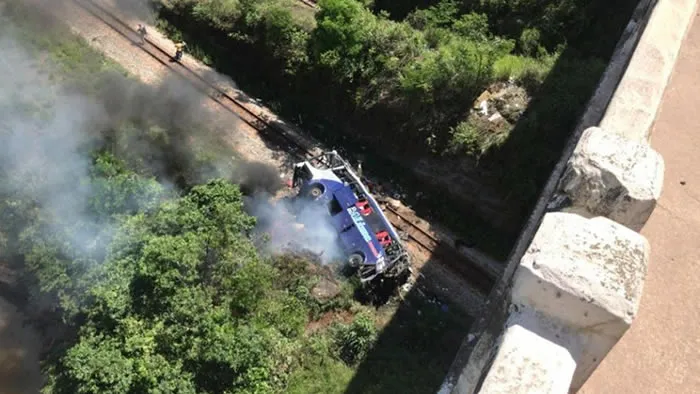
{"x":455,"y":70}
{"x":78,"y":64}
{"x":222,"y":13}
{"x":473,"y":25}
{"x":530,"y":72}
{"x":354,"y":341}
{"x":287,"y":314}
{"x":171,"y":296}
{"x":409,"y":75}
{"x":163,"y":317}
{"x":268,"y":23}
{"x":469,"y":137}
{"x":442,"y":14}
{"x":117,"y":190}
{"x":552,"y":114}
{"x":320,"y":372}
{"x":530,"y":42}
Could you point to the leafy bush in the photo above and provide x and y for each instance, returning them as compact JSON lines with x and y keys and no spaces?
{"x":530,"y":42}
{"x":186,"y":304}
{"x":353,"y":341}
{"x":223,"y":14}
{"x":319,"y":371}
{"x":476,"y":137}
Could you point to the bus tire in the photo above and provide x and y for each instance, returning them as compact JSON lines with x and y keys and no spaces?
{"x":316,"y":191}
{"x":355,"y":259}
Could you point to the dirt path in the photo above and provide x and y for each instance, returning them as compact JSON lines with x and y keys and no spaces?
{"x":661,"y":351}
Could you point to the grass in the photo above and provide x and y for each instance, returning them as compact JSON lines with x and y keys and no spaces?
{"x":521,"y":68}
{"x":414,"y":343}
{"x":73,"y":61}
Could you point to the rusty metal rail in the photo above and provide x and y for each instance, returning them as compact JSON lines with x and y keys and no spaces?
{"x":309,"y":3}
{"x":446,"y":253}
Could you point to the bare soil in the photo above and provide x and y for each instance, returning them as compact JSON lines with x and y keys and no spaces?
{"x":20,"y":347}
{"x":327,"y":319}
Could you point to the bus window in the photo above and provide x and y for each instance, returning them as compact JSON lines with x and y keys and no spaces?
{"x":334,"y":207}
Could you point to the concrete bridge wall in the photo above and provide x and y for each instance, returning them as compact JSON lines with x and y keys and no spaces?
{"x":575,"y":277}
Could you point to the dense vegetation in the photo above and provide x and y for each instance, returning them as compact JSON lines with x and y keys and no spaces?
{"x":400,"y":77}
{"x":137,"y":256}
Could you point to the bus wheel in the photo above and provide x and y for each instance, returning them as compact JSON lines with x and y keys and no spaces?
{"x":355,"y":260}
{"x":315,"y":191}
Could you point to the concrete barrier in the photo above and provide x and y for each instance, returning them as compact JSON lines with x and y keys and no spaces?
{"x":609,"y":175}
{"x":575,"y":275}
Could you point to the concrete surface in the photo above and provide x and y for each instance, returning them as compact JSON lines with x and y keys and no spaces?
{"x":611,"y":176}
{"x":545,"y":367}
{"x":587,"y":275}
{"x":661,"y":351}
{"x":637,"y":98}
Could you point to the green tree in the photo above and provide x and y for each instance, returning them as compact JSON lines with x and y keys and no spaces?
{"x":184,"y":304}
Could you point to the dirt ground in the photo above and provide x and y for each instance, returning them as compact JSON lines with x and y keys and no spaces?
{"x":661,"y":351}
{"x":19,"y":352}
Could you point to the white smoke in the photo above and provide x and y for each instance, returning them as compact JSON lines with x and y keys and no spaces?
{"x":46,"y":135}
{"x":295,"y":225}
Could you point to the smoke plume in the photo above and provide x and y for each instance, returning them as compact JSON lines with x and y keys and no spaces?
{"x":46,"y":138}
{"x":145,"y":10}
{"x":295,"y":225}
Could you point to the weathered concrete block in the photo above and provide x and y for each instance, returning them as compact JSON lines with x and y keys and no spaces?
{"x":587,"y":274}
{"x":614,"y":177}
{"x":533,"y":357}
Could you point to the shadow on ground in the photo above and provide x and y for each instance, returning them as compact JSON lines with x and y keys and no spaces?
{"x":20,"y":342}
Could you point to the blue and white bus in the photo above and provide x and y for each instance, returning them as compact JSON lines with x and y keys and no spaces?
{"x":369,"y":241}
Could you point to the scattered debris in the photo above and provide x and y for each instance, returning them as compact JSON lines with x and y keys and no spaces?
{"x":495,"y":117}
{"x":503,"y":102}
{"x":408,"y":286}
{"x":511,"y":102}
{"x":484,"y":108}
{"x":483,"y":97}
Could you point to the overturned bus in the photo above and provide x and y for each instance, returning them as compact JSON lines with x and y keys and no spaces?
{"x":369,"y":241}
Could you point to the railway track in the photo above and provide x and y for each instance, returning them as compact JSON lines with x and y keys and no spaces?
{"x":309,"y":3}
{"x":446,"y":253}
{"x":255,"y":120}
